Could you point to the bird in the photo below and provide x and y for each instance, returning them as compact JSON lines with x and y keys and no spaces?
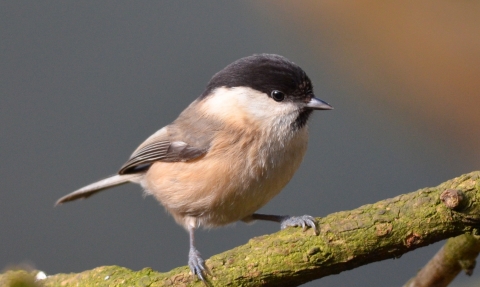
{"x":229,"y":152}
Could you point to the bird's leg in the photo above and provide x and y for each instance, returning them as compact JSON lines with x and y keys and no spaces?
{"x":195,"y":262}
{"x":286,"y":220}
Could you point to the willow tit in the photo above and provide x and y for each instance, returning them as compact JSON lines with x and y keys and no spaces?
{"x":229,"y":152}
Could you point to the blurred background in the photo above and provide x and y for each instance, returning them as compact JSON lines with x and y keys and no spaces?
{"x":83,"y":83}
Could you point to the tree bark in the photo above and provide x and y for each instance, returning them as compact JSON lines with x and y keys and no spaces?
{"x":349,"y":239}
{"x":459,"y":253}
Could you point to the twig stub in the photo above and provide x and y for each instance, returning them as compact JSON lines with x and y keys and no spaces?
{"x":453,"y":199}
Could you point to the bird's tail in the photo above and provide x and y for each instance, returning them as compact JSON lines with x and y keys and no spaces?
{"x":98,"y":186}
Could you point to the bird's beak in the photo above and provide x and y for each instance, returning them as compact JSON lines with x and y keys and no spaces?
{"x":317,"y":104}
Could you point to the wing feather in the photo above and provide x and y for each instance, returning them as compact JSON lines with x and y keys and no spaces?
{"x":163,"y":150}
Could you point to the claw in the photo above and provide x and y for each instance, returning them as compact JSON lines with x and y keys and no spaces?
{"x":196,"y":263}
{"x":303,"y":221}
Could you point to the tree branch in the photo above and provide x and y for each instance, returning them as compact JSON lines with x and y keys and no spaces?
{"x":383,"y":230}
{"x":457,"y":254}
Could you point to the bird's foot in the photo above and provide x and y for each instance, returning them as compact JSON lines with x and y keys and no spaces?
{"x":303,"y":221}
{"x":196,"y":263}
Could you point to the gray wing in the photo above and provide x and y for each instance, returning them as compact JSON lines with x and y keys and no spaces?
{"x":183,"y":140}
{"x":161,"y":150}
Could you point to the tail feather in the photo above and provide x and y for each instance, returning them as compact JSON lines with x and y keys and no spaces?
{"x":98,"y":186}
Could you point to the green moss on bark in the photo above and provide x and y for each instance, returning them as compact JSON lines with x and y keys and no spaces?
{"x":348,"y":239}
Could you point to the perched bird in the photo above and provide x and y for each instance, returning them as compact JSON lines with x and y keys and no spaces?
{"x":229,"y":152}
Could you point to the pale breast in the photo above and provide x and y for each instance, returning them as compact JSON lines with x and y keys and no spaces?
{"x":233,"y":180}
{"x":253,"y":153}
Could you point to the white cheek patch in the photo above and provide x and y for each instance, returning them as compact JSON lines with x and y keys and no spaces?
{"x":239,"y":102}
{"x":222,"y":103}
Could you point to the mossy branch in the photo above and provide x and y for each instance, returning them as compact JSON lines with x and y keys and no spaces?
{"x":459,"y":253}
{"x":383,"y":230}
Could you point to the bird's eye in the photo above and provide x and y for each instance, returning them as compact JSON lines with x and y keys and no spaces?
{"x":277,"y":95}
